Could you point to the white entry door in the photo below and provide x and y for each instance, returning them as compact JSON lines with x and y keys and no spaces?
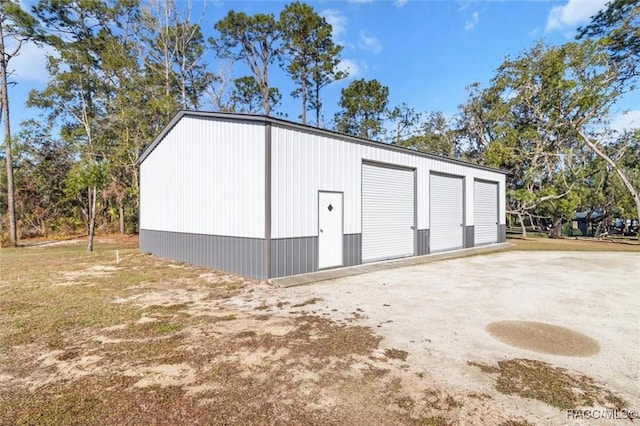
{"x":329,"y":229}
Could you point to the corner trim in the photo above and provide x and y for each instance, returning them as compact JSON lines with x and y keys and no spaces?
{"x":267,"y":199}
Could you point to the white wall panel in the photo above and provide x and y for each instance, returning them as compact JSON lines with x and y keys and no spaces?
{"x":206,"y":177}
{"x":304,"y":162}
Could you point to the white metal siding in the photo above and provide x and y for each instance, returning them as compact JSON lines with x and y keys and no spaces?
{"x":485,"y":212}
{"x":304,"y":162}
{"x":387,"y":213}
{"x":447,"y":213}
{"x":206,"y":177}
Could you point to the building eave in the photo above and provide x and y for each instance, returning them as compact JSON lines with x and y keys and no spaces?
{"x":262,"y":119}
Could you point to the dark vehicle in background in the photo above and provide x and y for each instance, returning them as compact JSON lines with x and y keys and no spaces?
{"x":627,"y":227}
{"x":596,"y":223}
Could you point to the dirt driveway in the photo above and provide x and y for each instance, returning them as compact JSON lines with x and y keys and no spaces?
{"x":439,"y":313}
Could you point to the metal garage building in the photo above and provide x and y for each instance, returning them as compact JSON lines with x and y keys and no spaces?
{"x":265,"y":198}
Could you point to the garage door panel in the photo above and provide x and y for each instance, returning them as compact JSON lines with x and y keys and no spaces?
{"x":387,"y":212}
{"x":485,"y":212}
{"x":446,"y":212}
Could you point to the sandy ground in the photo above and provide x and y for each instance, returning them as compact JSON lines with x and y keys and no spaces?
{"x":439,"y":313}
{"x":152,"y":339}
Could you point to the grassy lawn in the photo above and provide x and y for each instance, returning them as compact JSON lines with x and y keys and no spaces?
{"x":572,"y":244}
{"x":88,"y":340}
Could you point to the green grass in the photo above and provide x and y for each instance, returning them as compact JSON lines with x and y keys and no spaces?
{"x":396,"y":354}
{"x":571,"y":244}
{"x":311,"y":301}
{"x":555,"y":386}
{"x":78,"y":332}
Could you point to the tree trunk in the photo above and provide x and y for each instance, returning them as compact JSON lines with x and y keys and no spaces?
{"x":183,"y":85}
{"x":303,"y":89}
{"x":266,"y":107}
{"x":11,"y":203}
{"x":121,"y":216}
{"x":522,"y":226}
{"x":556,"y":227}
{"x":263,"y":80}
{"x":317,"y":105}
{"x":598,"y":231}
{"x":93,"y":195}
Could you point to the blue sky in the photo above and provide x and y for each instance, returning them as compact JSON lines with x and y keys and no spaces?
{"x":426,"y":52}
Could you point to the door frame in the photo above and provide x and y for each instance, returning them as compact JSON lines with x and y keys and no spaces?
{"x":341,"y":229}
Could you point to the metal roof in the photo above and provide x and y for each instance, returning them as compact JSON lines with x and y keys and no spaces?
{"x":263,"y":119}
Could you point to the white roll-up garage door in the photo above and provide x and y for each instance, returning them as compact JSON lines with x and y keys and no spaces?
{"x":446,"y":216}
{"x":387,"y":212}
{"x":485,"y":212}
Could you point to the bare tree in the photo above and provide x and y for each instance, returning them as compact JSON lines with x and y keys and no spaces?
{"x":253,"y":40}
{"x":175,"y":50}
{"x":218,"y":90}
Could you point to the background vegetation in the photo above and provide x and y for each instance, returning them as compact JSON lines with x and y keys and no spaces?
{"x":122,"y":68}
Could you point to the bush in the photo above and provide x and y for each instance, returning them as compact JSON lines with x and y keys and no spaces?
{"x":568,"y":231}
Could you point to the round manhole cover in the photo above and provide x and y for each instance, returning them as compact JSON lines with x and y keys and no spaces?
{"x":542,"y":337}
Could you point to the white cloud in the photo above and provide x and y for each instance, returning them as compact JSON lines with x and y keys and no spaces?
{"x":369,"y":43}
{"x":359,"y":1}
{"x":472,"y":22}
{"x":337,"y":21}
{"x":573,"y":14}
{"x":626,"y":121}
{"x":30,"y":64}
{"x":399,"y":3}
{"x":354,"y":67}
{"x":464,"y":4}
